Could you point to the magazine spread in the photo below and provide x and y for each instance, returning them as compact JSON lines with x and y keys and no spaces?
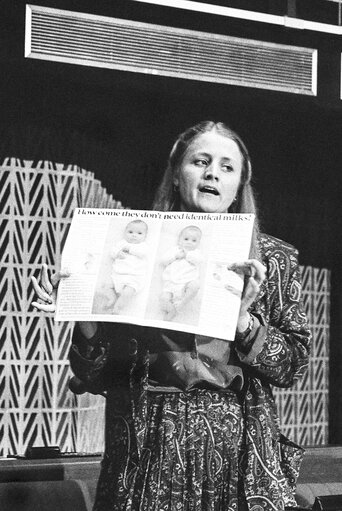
{"x":171,"y":270}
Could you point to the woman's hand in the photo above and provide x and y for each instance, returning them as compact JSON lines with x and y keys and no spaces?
{"x":46,"y":289}
{"x":254,"y":273}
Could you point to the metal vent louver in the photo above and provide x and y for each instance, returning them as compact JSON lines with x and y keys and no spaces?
{"x":127,"y":45}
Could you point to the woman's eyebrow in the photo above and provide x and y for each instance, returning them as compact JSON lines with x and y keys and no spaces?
{"x":201,"y":153}
{"x":228,"y":159}
{"x":198,"y":154}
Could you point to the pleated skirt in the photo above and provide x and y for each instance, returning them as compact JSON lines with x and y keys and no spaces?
{"x":190,"y":456}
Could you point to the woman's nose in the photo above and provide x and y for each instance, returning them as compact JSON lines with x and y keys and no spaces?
{"x":211,"y":172}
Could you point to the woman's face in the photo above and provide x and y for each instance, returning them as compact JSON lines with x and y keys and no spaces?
{"x":210,"y":173}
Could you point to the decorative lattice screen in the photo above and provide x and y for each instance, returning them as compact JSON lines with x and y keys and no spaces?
{"x":36,"y":407}
{"x":303,"y":409}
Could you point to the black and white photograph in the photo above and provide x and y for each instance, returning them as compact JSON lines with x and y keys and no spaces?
{"x":171,"y":219}
{"x":177,"y":285}
{"x":124,"y":268}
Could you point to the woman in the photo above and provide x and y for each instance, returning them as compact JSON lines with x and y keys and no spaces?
{"x":190,"y":421}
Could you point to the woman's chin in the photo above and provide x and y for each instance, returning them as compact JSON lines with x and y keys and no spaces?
{"x":211,"y":204}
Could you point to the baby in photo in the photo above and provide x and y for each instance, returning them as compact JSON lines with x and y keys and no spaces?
{"x":129,"y":264}
{"x":181,"y":275}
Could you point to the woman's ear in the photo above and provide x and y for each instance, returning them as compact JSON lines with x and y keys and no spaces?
{"x":175,"y":181}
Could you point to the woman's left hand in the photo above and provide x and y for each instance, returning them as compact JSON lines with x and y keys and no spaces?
{"x":254,"y":272}
{"x":46,"y":289}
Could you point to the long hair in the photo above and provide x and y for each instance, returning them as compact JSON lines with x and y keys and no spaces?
{"x":167,"y":199}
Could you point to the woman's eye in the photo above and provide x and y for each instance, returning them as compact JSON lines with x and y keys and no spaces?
{"x":201,"y":162}
{"x":227,"y":168}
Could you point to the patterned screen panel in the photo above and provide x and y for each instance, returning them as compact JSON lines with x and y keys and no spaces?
{"x":36,"y":406}
{"x":303,"y":409}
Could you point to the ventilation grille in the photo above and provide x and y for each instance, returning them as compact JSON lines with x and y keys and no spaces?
{"x":127,"y":45}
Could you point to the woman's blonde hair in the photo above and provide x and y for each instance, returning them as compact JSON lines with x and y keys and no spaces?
{"x":167,"y":197}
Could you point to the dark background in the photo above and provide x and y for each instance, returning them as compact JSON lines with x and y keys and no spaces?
{"x":122,"y":125}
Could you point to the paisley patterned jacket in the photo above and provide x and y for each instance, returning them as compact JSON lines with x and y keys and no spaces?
{"x":278,"y":357}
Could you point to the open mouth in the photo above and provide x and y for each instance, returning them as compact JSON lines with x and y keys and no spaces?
{"x":209,"y":189}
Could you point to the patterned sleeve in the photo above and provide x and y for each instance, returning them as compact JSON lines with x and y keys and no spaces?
{"x":281,"y":343}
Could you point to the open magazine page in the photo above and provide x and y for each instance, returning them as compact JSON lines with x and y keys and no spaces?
{"x":171,"y":270}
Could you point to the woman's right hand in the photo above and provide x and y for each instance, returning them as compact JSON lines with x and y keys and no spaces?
{"x":46,"y":289}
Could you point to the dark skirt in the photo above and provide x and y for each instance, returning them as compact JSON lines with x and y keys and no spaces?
{"x":190,"y":458}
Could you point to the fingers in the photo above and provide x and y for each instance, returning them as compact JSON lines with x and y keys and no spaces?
{"x":51,"y":307}
{"x":41,"y":293}
{"x":45,"y":282}
{"x":45,"y":289}
{"x":249,"y":295}
{"x":56,"y":277}
{"x":258,"y":270}
{"x":251,"y":290}
{"x":254,"y":278}
{"x":250,"y":268}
